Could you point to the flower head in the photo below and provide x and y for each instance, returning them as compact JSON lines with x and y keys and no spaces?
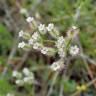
{"x":29,"y":19}
{"x":19,"y":82}
{"x":50,"y":27}
{"x":41,"y":27}
{"x":16,"y":74}
{"x":21,"y":33}
{"x":74,"y":27}
{"x":21,"y":44}
{"x":29,"y":79}
{"x":26,"y":71}
{"x":44,"y":50}
{"x":74,"y":50}
{"x":23,"y":11}
{"x":37,"y":46}
{"x":30,"y":41}
{"x":35,"y":36}
{"x":57,"y":65}
{"x":61,"y":52}
{"x":60,"y":42}
{"x":33,"y":41}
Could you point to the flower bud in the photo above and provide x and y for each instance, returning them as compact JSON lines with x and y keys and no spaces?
{"x":57,"y":65}
{"x":19,"y":82}
{"x":52,"y":30}
{"x":23,"y":11}
{"x":26,"y":71}
{"x":28,"y":80}
{"x":16,"y":74}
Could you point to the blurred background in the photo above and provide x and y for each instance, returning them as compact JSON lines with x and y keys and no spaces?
{"x":63,"y":13}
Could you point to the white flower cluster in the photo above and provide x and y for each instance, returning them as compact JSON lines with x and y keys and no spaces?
{"x":50,"y":27}
{"x":21,"y":33}
{"x":62,"y":44}
{"x":74,"y":50}
{"x":35,"y":37}
{"x":57,"y":65}
{"x":44,"y":50}
{"x":27,"y":79}
{"x":21,"y":44}
{"x":29,"y":19}
{"x":42,"y":28}
{"x":29,"y":76}
{"x":16,"y":74}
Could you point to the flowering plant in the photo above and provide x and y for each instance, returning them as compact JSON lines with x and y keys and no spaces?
{"x":42,"y":35}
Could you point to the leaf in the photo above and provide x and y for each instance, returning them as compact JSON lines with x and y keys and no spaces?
{"x":69,"y":86}
{"x":5,"y":38}
{"x":5,"y":87}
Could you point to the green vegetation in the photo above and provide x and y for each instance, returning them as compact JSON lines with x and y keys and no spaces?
{"x":63,"y":14}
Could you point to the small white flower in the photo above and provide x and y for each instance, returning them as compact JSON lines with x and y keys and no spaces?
{"x":28,"y":79}
{"x":44,"y":50}
{"x":16,"y":74}
{"x":19,"y":82}
{"x":23,"y":11}
{"x":74,"y":50}
{"x":41,"y":27}
{"x":74,"y":27}
{"x":61,"y":53}
{"x":10,"y":94}
{"x":60,"y":42}
{"x":26,"y":71}
{"x":21,"y":33}
{"x":50,"y":27}
{"x":21,"y":44}
{"x":61,"y":39}
{"x":31,"y":41}
{"x":36,"y":46}
{"x":35,"y":36}
{"x":29,"y":19}
{"x":55,"y":66}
